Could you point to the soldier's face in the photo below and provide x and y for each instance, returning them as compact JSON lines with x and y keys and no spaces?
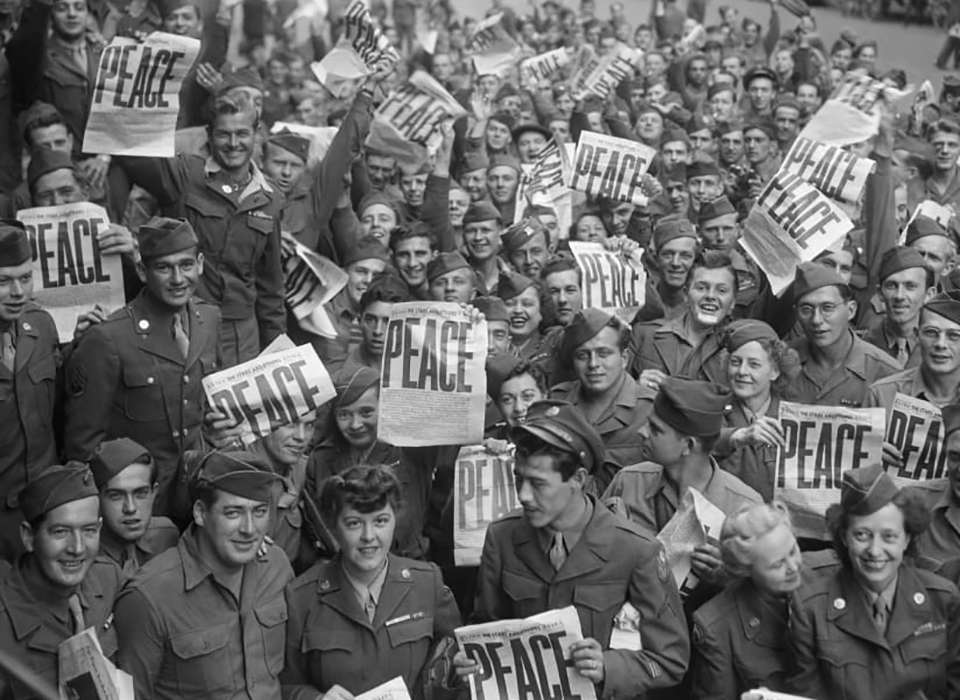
{"x":16,"y":288}
{"x":57,"y":187}
{"x":69,"y":18}
{"x":840,"y":261}
{"x":938,"y":252}
{"x":184,"y":21}
{"x":711,"y":294}
{"x":377,"y":220}
{"x":66,"y":541}
{"x":126,"y":502}
{"x":599,"y":362}
{"x":564,"y":289}
{"x":172,"y":279}
{"x":776,"y":566}
{"x":939,"y":343}
{"x":359,"y":276}
{"x":531,"y":256}
{"x":516,"y":396}
{"x":232,"y":528}
{"x":676,"y":258}
{"x":287,"y":444}
{"x":56,"y":137}
{"x":283,"y":167}
{"x":482,"y":240}
{"x":546,"y":498}
{"x":457,"y":286}
{"x":825,"y":316}
{"x":365,"y":538}
{"x":721,"y":233}
{"x":413,"y":186}
{"x":876,"y":544}
{"x":357,"y":422}
{"x":459,"y":202}
{"x":498,"y":337}
{"x":903,"y":293}
{"x":666,"y":446}
{"x":232,"y":139}
{"x":502,"y":182}
{"x":411,"y":257}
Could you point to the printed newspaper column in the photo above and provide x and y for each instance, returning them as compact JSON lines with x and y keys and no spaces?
{"x":607,"y":166}
{"x":915,"y":427}
{"x":696,"y":520}
{"x":821,"y":442}
{"x":600,"y":78}
{"x":611,"y":281}
{"x":270,"y":391}
{"x":310,"y":281}
{"x":527,"y":658}
{"x":85,"y":673}
{"x":484,"y":492}
{"x":852,"y":114}
{"x":361,"y":51}
{"x":70,"y":275}
{"x":544,"y":66}
{"x":493,"y":49}
{"x":432,"y":381}
{"x":136,"y":97}
{"x":546,"y":183}
{"x":394,"y":689}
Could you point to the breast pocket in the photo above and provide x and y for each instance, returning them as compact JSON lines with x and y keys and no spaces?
{"x":262,"y":228}
{"x":597,"y":603}
{"x":925,"y":656}
{"x":43,"y":374}
{"x":203,"y":664}
{"x":272,"y":619}
{"x":142,"y":395}
{"x":844,"y":668}
{"x":524,"y":593}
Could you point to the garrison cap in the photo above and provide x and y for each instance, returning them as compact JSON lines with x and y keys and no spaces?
{"x":764,"y":124}
{"x":512,"y":284}
{"x":760,"y":72}
{"x":498,"y":368}
{"x":482,"y":211}
{"x":492,"y":308}
{"x":445,"y":262}
{"x":521,"y":129}
{"x":691,"y":406}
{"x":47,"y":160}
{"x":238,"y":472}
{"x":675,"y":134}
{"x":946,"y":304}
{"x":519,"y":234}
{"x":951,"y":84}
{"x":38,"y":112}
{"x":113,"y":456}
{"x":162,"y":236}
{"x":729,"y":126}
{"x":352,"y":387}
{"x":498,"y":160}
{"x":293,"y":143}
{"x":367,"y":248}
{"x":378,"y":198}
{"x":900,"y":258}
{"x":506,"y":90}
{"x":787,"y":101}
{"x":585,"y":325}
{"x":14,"y":243}
{"x":811,"y":276}
{"x":561,"y":425}
{"x":503,"y":118}
{"x":717,"y":88}
{"x":715,"y":208}
{"x":675,"y":173}
{"x":671,"y":227}
{"x":745,"y":330}
{"x":951,"y":418}
{"x":242,"y":77}
{"x":923,"y":226}
{"x":699,"y":123}
{"x":474,"y":160}
{"x":55,"y":486}
{"x":703,"y":167}
{"x":866,"y":490}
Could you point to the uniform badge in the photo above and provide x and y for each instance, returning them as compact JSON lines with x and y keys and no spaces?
{"x":227,"y":189}
{"x":324,"y":585}
{"x":26,"y":326}
{"x":839,"y":603}
{"x":143,"y":324}
{"x":754,"y":621}
{"x":405,"y":574}
{"x":919,"y":598}
{"x":552,"y":411}
{"x":663,"y":571}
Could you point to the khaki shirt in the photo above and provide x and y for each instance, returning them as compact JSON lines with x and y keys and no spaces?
{"x":847,"y":385}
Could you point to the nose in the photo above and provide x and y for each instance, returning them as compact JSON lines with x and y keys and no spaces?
{"x":177,"y":274}
{"x":524,"y":492}
{"x":16,"y":287}
{"x":76,"y":544}
{"x":366,"y":534}
{"x":129,"y":504}
{"x":355,"y":422}
{"x":300,"y":432}
{"x":246,"y":522}
{"x":644,"y":431}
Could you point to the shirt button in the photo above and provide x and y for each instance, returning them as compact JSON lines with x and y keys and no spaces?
{"x":186,"y":380}
{"x":149,"y":380}
{"x":185,"y":402}
{"x":176,"y":433}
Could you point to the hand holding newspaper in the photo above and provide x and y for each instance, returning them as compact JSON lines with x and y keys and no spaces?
{"x":695,"y":521}
{"x":85,"y":673}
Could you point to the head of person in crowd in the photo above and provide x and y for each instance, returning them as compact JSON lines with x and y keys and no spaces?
{"x":126,"y":477}
{"x":703,"y":145}
{"x":45,"y":127}
{"x":361,"y":506}
{"x":61,"y":523}
{"x":760,"y":366}
{"x":649,"y":126}
{"x":441,"y":67}
{"x":413,"y":183}
{"x":548,"y":217}
{"x":562,"y":280}
{"x":183,"y":18}
{"x":719,"y":224}
{"x":508,"y":101}
{"x":458,"y":200}
{"x":503,"y":178}
{"x":944,"y":136}
{"x":940,"y":336}
{"x":285,"y":158}
{"x":912,"y":160}
{"x":231,"y":495}
{"x":810,"y":96}
{"x":378,"y":216}
{"x":482,"y":226}
{"x":760,"y":84}
{"x":354,"y":410}
{"x":932,"y":241}
{"x":557,"y":452}
{"x":364,"y":260}
{"x":840,"y":259}
{"x":170,"y":261}
{"x":685,"y":424}
{"x":750,"y":32}
{"x":735,"y":64}
{"x":674,"y":182}
{"x":522,"y":297}
{"x":53,"y":179}
{"x":16,"y":271}
{"x":730,"y":147}
{"x":530,"y":138}
{"x":866,"y":54}
{"x":674,"y":148}
{"x":287,"y":445}
{"x":232,"y":132}
{"x":616,"y":215}
{"x":278,"y":70}
{"x":514,"y":385}
{"x":563,"y":100}
{"x":595,"y":346}
{"x":589,"y":228}
{"x":759,"y":142}
{"x":473,"y":175}
{"x":68,"y":20}
{"x":698,"y":70}
{"x":906,"y":284}
{"x":450,"y":278}
{"x":377,"y":301}
{"x":413,"y":247}
{"x":713,"y":50}
{"x":559,"y":127}
{"x":841,"y":53}
{"x":526,"y":245}
{"x":676,"y":246}
{"x":824,"y":305}
{"x":643,"y":37}
{"x":381,"y":169}
{"x":875,"y":525}
{"x":711,"y":289}
{"x":783,"y":64}
{"x":787,"y":113}
{"x":497,"y":136}
{"x":497,"y":314}
{"x":703,"y":183}
{"x":951,"y":444}
{"x":757,"y":542}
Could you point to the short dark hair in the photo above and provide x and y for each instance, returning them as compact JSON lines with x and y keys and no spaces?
{"x":713,"y":260}
{"x":916,"y":519}
{"x":385,"y":287}
{"x":234,"y":104}
{"x":364,"y":487}
{"x":43,"y":120}
{"x":529,"y":446}
{"x":417,"y":229}
{"x":561,"y":264}
{"x":536,"y":372}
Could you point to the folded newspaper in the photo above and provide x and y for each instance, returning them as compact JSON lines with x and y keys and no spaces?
{"x":86,"y":674}
{"x":394,"y":689}
{"x":695,"y":521}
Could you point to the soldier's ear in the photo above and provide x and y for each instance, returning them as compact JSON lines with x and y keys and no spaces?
{"x":199,"y":513}
{"x":26,"y":536}
{"x":141,"y":271}
{"x":200,"y":263}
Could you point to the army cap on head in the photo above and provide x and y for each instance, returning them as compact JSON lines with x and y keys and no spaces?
{"x":900,"y":258}
{"x":951,"y":418}
{"x":162,"y":236}
{"x":715,"y":208}
{"x":946,"y":304}
{"x":951,"y":85}
{"x":866,"y":490}
{"x":760,"y":72}
{"x":512,"y":284}
{"x":55,"y":486}
{"x":923,"y":226}
{"x":561,"y":425}
{"x":351,"y":387}
{"x":113,"y":456}
{"x":367,"y":248}
{"x":703,"y":167}
{"x":499,"y":160}
{"x":671,"y":227}
{"x":691,"y":406}
{"x":293,"y":143}
{"x":481,"y":211}
{"x":764,"y":124}
{"x":503,"y":118}
{"x":14,"y":243}
{"x":811,"y":276}
{"x":745,"y":330}
{"x":474,"y":160}
{"x":521,"y":129}
{"x":519,"y":234}
{"x":585,"y":324}
{"x":492,"y":308}
{"x":717,"y":88}
{"x":445,"y":262}
{"x":676,"y":134}
{"x":675,"y":173}
{"x":242,"y":77}
{"x":47,"y":160}
{"x":498,"y":367}
{"x":240,"y":473}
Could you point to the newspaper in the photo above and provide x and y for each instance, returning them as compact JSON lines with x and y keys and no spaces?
{"x":371,"y":44}
{"x":527,"y":658}
{"x":611,"y":167}
{"x":136,"y":97}
{"x":84,"y":673}
{"x":270,"y":391}
{"x":603,"y":76}
{"x":942,"y":214}
{"x":852,"y":114}
{"x":544,"y":66}
{"x":310,"y":281}
{"x":765,"y":694}
{"x":483,"y":492}
{"x":821,"y":442}
{"x":394,"y":689}
{"x":915,"y":427}
{"x":611,"y":281}
{"x":695,"y":521}
{"x":834,"y":171}
{"x":70,"y":275}
{"x":433,"y":383}
{"x":493,"y":49}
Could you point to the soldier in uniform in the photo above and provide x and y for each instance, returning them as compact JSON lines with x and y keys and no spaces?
{"x":450,"y":278}
{"x":565,"y":548}
{"x":60,"y":587}
{"x":676,"y":246}
{"x":126,"y":476}
{"x":522,"y":297}
{"x":138,"y":374}
{"x":482,"y":228}
{"x":941,"y":540}
{"x":207,"y":619}
{"x":28,"y":386}
{"x":721,"y":230}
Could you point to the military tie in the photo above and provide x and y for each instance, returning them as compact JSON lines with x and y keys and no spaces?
{"x":558,"y":552}
{"x":76,"y":613}
{"x":180,"y":336}
{"x":880,"y":614}
{"x":130,"y":565}
{"x":902,"y":353}
{"x":370,"y":607}
{"x":8,"y":350}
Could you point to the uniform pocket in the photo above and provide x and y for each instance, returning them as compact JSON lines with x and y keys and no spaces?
{"x":204,"y":662}
{"x":411,"y":631}
{"x":272,"y":619}
{"x":524,"y":592}
{"x":143,"y":397}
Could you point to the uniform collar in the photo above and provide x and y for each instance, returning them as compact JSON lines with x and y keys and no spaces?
{"x":258,"y":181}
{"x":855,"y":361}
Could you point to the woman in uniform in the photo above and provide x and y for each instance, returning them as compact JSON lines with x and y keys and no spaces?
{"x":879,"y":628}
{"x":366,"y":616}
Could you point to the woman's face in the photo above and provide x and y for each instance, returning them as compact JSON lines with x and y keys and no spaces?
{"x":751,"y":371}
{"x":590,"y":229}
{"x":357,"y":422}
{"x":525,"y":314}
{"x":516,"y":396}
{"x":777,"y":563}
{"x":365,"y":539}
{"x":498,"y":135}
{"x":876,"y":544}
{"x":841,"y":58}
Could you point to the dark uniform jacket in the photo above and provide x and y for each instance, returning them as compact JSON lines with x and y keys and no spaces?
{"x":840,"y":654}
{"x":668,"y":349}
{"x":612,"y":563}
{"x":847,"y":385}
{"x":754,"y":464}
{"x":331,"y":642}
{"x":161,"y":535}
{"x":127,"y":378}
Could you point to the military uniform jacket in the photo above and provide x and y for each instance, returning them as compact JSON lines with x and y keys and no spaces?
{"x":668,"y":349}
{"x":34,"y":620}
{"x":183,"y":636}
{"x":941,"y":540}
{"x":847,"y":385}
{"x":161,"y":535}
{"x":331,"y":642}
{"x":840,"y":654}
{"x":612,"y":563}
{"x":126,"y":378}
{"x":754,"y":464}
{"x":907,"y":381}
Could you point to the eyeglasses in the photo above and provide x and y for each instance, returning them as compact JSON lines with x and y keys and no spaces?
{"x":827,"y":309}
{"x":933,"y":333}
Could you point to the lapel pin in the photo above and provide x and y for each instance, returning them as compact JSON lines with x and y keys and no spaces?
{"x":918,"y":598}
{"x":226,"y":189}
{"x":839,"y":603}
{"x":26,"y":326}
{"x":324,"y":585}
{"x":405,"y":573}
{"x":144,"y":324}
{"x":754,"y":621}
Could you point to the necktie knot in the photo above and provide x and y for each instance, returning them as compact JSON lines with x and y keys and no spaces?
{"x":180,"y":336}
{"x":880,"y":614}
{"x":558,"y":552}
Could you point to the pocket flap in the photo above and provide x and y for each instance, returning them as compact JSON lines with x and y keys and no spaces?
{"x":43,"y":370}
{"x":317,"y":638}
{"x":205,"y":206}
{"x":519,"y":587}
{"x":199,"y":642}
{"x":134,"y":376}
{"x":599,"y":596}
{"x":260,"y":224}
{"x":273,"y":614}
{"x":410,"y":631}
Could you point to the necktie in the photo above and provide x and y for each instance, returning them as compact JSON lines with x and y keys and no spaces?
{"x":902,"y":352}
{"x":130,"y":566}
{"x":370,"y":607}
{"x":180,"y":336}
{"x":9,"y":352}
{"x":880,"y":614}
{"x":76,"y":613}
{"x":558,"y":552}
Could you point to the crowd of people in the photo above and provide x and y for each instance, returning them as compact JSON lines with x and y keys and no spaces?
{"x":318,"y":562}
